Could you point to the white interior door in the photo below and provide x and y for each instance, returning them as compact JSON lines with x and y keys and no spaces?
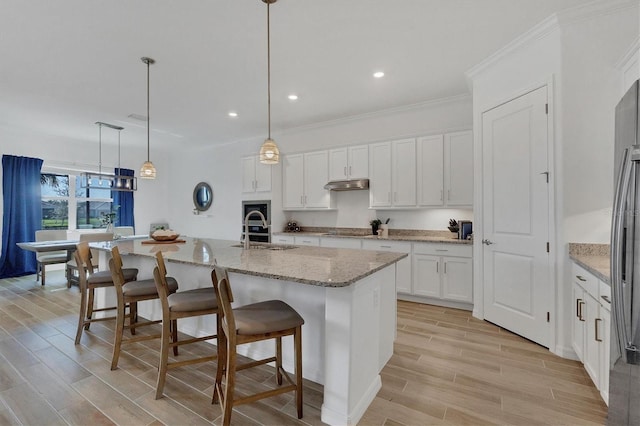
{"x":516,"y":279}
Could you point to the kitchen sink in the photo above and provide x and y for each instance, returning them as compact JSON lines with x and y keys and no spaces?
{"x":266,"y":246}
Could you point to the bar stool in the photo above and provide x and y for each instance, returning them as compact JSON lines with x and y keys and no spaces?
{"x":88,"y":281}
{"x":183,"y":304}
{"x":128,"y":294}
{"x":272,"y":319}
{"x":72,"y":267}
{"x":50,"y":257}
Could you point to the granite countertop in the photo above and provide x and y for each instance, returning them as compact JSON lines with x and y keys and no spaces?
{"x":412,"y":235}
{"x":592,"y":257}
{"x":327,"y":267}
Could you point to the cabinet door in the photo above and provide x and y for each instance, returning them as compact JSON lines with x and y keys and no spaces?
{"x":263,"y":176}
{"x":403,"y":266}
{"x":457,"y":279}
{"x":248,"y":174}
{"x":431,"y":171}
{"x":358,"y":166}
{"x":283,"y":239}
{"x":403,"y":168}
{"x":458,"y":168}
{"x":592,"y":346}
{"x":380,"y":175}
{"x":426,"y":274}
{"x":293,"y":181}
{"x":316,"y":176}
{"x":338,"y":164}
{"x":577,"y":324}
{"x":604,"y":334}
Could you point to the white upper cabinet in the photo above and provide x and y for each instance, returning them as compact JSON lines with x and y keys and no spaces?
{"x":304,"y":177}
{"x":256,"y":177}
{"x":349,"y":163}
{"x":445,"y":170}
{"x":431,"y":171}
{"x":458,"y":168}
{"x":392,"y":174}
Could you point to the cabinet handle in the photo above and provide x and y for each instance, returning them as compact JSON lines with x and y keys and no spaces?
{"x":385,"y":247}
{"x":578,"y":307}
{"x":441,"y":192}
{"x":437,"y":267}
{"x":349,"y":170}
{"x":448,"y":195}
{"x":581,"y":305}
{"x":442,"y":250}
{"x":445,"y":267}
{"x":606,"y":299}
{"x":389,"y":197}
{"x":345,"y":170}
{"x":581,"y":278}
{"x":301,"y":200}
{"x":305,"y":200}
{"x":598,"y":339}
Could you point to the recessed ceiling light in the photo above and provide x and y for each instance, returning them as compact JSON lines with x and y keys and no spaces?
{"x":233,"y":114}
{"x":293,"y":97}
{"x":378,"y":74}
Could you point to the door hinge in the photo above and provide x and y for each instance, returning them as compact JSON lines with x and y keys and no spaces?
{"x":546,"y":109}
{"x":548,"y":317}
{"x":547,"y":246}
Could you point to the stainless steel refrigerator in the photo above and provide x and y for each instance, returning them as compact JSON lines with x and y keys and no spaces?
{"x":624,"y":378}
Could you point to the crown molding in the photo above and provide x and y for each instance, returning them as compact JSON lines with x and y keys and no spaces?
{"x":633,"y":49}
{"x":554,"y":22}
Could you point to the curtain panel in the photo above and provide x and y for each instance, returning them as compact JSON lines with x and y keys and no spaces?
{"x":22,"y":213}
{"x":124,"y":202}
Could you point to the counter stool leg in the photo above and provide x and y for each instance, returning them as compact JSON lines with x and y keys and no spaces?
{"x":298,"y":344}
{"x":90,"y":302}
{"x":83,"y":309}
{"x":117,"y":344}
{"x":174,"y":335}
{"x":133,"y":317}
{"x":279,"y":360}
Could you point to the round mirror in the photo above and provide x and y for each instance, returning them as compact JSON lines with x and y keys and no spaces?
{"x":202,"y":196}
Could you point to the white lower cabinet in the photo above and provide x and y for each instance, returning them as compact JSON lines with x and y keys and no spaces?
{"x":351,"y":243}
{"x":303,"y":240}
{"x":283,"y":239}
{"x":403,"y":267}
{"x":443,"y":272}
{"x":591,"y":321}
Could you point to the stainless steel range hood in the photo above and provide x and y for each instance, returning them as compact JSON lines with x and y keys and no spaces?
{"x":347,"y":185}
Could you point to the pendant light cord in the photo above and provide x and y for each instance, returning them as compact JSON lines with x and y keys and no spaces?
{"x":148,"y":156}
{"x":268,"y":72}
{"x":100,"y":149}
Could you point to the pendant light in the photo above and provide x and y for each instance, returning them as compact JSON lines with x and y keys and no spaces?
{"x":114,"y":182}
{"x":148,"y":171}
{"x":269,"y":153}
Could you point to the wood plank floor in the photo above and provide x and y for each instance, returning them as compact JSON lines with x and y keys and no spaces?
{"x":447,"y":368}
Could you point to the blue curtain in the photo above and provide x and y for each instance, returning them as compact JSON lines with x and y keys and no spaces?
{"x":22,"y":213}
{"x":124,"y":201}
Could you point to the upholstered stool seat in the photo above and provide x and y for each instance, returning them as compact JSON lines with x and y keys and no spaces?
{"x":193,"y":300}
{"x":104,"y":277}
{"x":266,"y":317}
{"x":147,"y":287}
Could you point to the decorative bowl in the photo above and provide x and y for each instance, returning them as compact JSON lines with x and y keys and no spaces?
{"x":164,"y":235}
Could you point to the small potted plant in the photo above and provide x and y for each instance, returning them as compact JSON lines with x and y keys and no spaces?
{"x":375,"y":223}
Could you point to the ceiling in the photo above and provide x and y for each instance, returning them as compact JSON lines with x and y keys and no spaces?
{"x":66,"y":64}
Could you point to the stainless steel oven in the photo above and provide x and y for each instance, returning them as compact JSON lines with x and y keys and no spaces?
{"x":256,"y":231}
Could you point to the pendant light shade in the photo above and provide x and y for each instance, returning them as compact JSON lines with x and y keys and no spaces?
{"x":269,"y":152}
{"x":148,"y":171}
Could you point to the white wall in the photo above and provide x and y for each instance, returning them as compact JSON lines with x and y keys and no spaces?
{"x":220,"y":167}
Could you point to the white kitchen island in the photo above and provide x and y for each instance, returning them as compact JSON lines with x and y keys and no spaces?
{"x":346,"y":297}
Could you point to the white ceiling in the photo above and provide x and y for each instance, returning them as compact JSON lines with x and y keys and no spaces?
{"x":65,"y":64}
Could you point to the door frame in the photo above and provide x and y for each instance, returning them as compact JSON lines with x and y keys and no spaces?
{"x":555,"y":179}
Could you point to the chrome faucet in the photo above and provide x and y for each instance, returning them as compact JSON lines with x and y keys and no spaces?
{"x":246,"y":225}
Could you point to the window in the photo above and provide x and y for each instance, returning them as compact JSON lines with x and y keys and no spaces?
{"x":84,"y":209}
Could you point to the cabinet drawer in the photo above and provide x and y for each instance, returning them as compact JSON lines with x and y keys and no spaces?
{"x":391,"y":246}
{"x":282,"y":239}
{"x":586,"y":280}
{"x":605,"y":296}
{"x":458,"y":250}
{"x":307,"y":241}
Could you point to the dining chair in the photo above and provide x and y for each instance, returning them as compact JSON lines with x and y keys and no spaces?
{"x":88,"y":280}
{"x":49,"y":257}
{"x":72,"y":268}
{"x":272,"y":319}
{"x":182,"y":304}
{"x":123,"y":231}
{"x":128,"y":294}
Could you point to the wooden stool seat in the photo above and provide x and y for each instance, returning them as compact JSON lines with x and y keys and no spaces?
{"x":272,"y":319}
